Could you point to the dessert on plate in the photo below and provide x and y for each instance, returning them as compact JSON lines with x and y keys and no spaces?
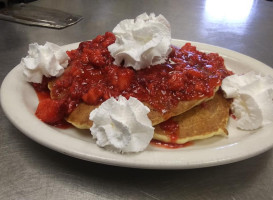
{"x":131,"y":86}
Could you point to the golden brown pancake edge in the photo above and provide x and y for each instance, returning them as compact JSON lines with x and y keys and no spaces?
{"x":201,"y":122}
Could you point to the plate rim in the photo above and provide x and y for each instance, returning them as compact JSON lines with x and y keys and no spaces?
{"x":135,"y":160}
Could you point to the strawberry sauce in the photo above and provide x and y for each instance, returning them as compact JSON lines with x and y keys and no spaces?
{"x":171,"y":128}
{"x":91,"y":77}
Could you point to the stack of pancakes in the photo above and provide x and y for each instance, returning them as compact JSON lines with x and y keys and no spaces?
{"x":196,"y":119}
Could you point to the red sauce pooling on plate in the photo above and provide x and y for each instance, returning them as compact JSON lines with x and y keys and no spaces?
{"x":171,"y":128}
{"x":91,"y":77}
{"x":170,"y":145}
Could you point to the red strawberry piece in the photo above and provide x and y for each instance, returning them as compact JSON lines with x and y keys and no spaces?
{"x":93,"y":95}
{"x":50,"y":111}
{"x":176,"y":81}
{"x":125,"y":77}
{"x":95,"y":57}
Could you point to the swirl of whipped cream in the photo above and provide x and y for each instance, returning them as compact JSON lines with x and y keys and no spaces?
{"x":48,"y":60}
{"x":141,"y":42}
{"x":122,"y":125}
{"x":253,"y":99}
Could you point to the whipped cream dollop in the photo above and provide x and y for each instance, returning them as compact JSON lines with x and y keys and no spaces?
{"x":48,"y":60}
{"x":253,"y":99}
{"x":141,"y":42}
{"x":122,"y":125}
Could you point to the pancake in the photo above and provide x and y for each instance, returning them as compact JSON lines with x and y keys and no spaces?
{"x":80,"y":116}
{"x":201,"y":122}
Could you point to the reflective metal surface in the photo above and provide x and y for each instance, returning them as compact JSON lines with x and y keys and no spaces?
{"x":31,"y":171}
{"x":38,"y":16}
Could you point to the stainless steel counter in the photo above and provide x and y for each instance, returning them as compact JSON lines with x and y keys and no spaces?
{"x":31,"y":171}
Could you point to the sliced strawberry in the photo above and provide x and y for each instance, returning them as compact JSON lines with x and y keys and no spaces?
{"x":93,"y":95}
{"x":96,"y":58}
{"x":176,"y":81}
{"x":50,"y":111}
{"x":72,"y":54}
{"x":199,"y":86}
{"x":84,"y":58}
{"x":112,"y":74}
{"x":98,"y":39}
{"x":125,"y":77}
{"x":188,"y":47}
{"x":194,"y":73}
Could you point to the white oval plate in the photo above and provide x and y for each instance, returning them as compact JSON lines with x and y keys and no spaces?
{"x":19,"y":102}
